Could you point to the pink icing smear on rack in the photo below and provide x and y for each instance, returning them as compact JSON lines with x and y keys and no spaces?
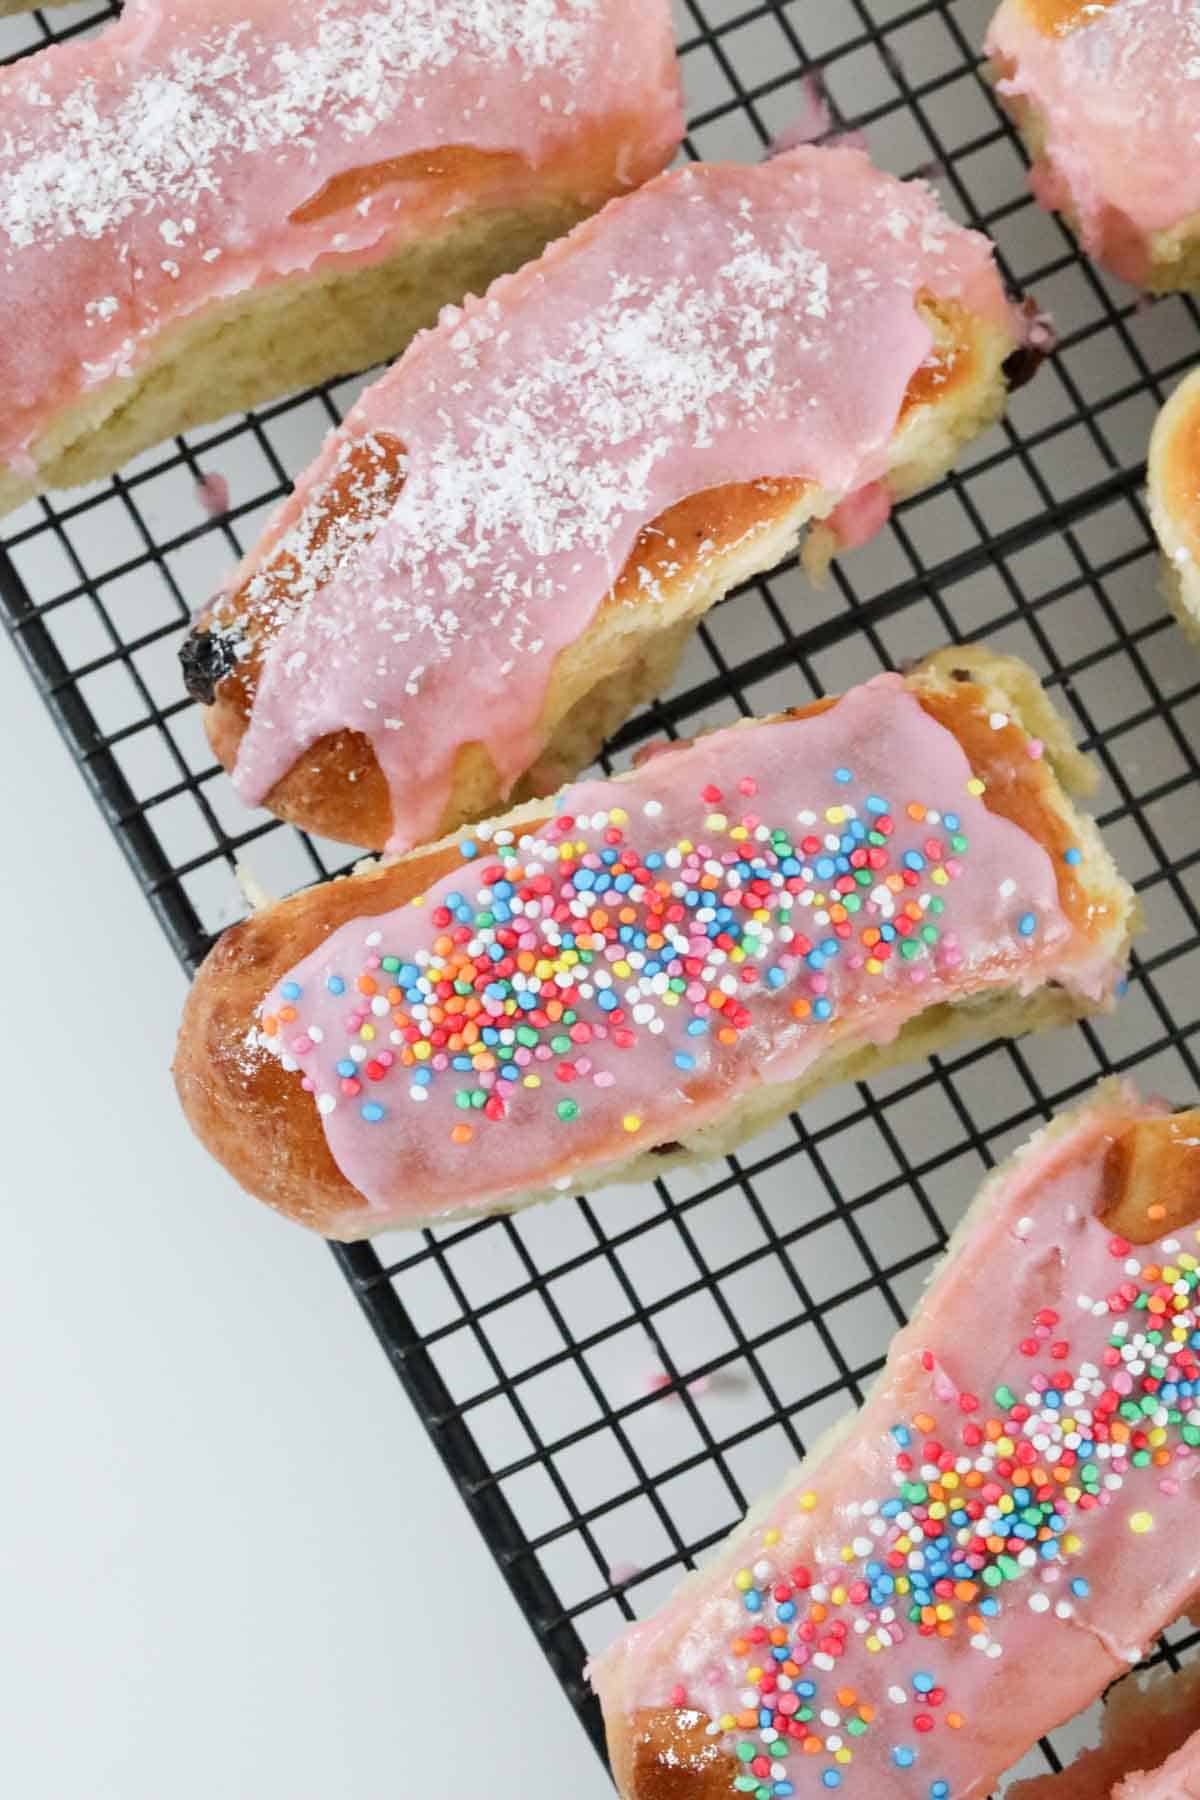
{"x":1118,"y":87}
{"x":706,"y":926}
{"x":722,"y":325}
{"x":183,"y":155}
{"x":1009,"y":1522}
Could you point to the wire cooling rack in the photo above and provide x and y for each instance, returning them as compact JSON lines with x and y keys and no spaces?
{"x":609,"y":1382}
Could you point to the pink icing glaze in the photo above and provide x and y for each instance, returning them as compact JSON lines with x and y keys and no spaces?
{"x":722,"y":324}
{"x":1026,"y":1307}
{"x":971,"y":879}
{"x":1177,"y":1779}
{"x":156,"y":169}
{"x":1120,"y":97}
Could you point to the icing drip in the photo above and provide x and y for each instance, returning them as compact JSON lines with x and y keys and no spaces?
{"x":722,"y":325}
{"x":712,"y":923}
{"x":1118,"y":89}
{"x":1013,"y":1515}
{"x":190,"y":153}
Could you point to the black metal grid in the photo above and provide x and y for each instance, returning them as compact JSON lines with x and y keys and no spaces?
{"x":609,"y":1382}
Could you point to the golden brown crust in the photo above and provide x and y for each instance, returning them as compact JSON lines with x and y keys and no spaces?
{"x":1174,"y":492}
{"x":258,"y":1121}
{"x":337,"y":789}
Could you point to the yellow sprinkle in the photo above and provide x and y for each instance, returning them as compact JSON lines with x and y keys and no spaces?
{"x":874,"y":966}
{"x":939,"y":877}
{"x":976,"y":787}
{"x":631,"y":1122}
{"x":808,"y":1501}
{"x":423,"y":1051}
{"x":836,"y":815}
{"x":873,"y":1645}
{"x":903,"y":1584}
{"x":668,"y":999}
{"x":754,"y":1674}
{"x":686,"y":846}
{"x":762,"y":916}
{"x":944,"y":1611}
{"x":1140,"y":1523}
{"x":1005,"y":1447}
{"x":937,"y":1509}
{"x":1187,"y":1261}
{"x":949,"y":1480}
{"x":367,"y":1033}
{"x":715,"y":822}
{"x":771,"y":1537}
{"x":842,"y":1755}
{"x":737,"y":954}
{"x":1157,"y":1436}
{"x":739,"y":832}
{"x":904,"y":1546}
{"x":743,"y":1581}
{"x":1170,"y":1274}
{"x":623,"y":970}
{"x":1006,"y":1503}
{"x":418,"y":901}
{"x":838,"y":1596}
{"x":1072,"y":1544}
{"x":727,"y":1721}
{"x":531,"y":1081}
{"x":619,"y":816}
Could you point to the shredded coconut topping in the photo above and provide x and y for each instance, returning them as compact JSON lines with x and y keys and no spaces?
{"x":722,"y":326}
{"x":225,"y":95}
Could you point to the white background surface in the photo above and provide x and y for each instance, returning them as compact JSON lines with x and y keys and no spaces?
{"x":231,"y":1566}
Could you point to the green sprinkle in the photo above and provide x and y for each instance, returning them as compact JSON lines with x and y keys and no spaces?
{"x":959,"y":843}
{"x":567,"y":1110}
{"x":992,"y":1578}
{"x":463,"y":1099}
{"x":1004,"y":1396}
{"x":527,"y":1035}
{"x":930,"y":933}
{"x":560,"y":1045}
{"x":390,"y":963}
{"x":745,"y":1752}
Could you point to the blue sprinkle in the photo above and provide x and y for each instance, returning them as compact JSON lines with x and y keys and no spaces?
{"x":831,"y":1778}
{"x":950,"y":821}
{"x":939,"y":1790}
{"x":875,"y":804}
{"x":753,"y":1601}
{"x":468,"y":848}
{"x":829,"y":947}
{"x":825,"y":868}
{"x":683,"y":1060}
{"x":806,"y":1689}
{"x":607,"y":1001}
{"x":903,"y":1757}
{"x":842,"y":775}
{"x":372,"y":1113}
{"x":783,"y":1788}
{"x":1080,"y":1588}
{"x":902,"y":1435}
{"x":454,"y":900}
{"x":822,"y":1009}
{"x":423,"y":1077}
{"x":336,"y":985}
{"x":290,"y":990}
{"x":1027,"y":924}
{"x":913,"y":859}
{"x":775,"y":978}
{"x":346,"y":1069}
{"x":697,"y":1028}
{"x":1073,"y":857}
{"x":785,"y":1612}
{"x":989,"y":1607}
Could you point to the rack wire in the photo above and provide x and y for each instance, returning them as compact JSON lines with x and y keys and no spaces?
{"x":608,"y":1382}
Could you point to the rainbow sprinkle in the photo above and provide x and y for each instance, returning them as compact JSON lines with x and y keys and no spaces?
{"x":526,"y":982}
{"x":987,"y":1510}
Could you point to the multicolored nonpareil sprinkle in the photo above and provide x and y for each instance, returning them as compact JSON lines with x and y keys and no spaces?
{"x":987,"y":1515}
{"x":603,"y":933}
